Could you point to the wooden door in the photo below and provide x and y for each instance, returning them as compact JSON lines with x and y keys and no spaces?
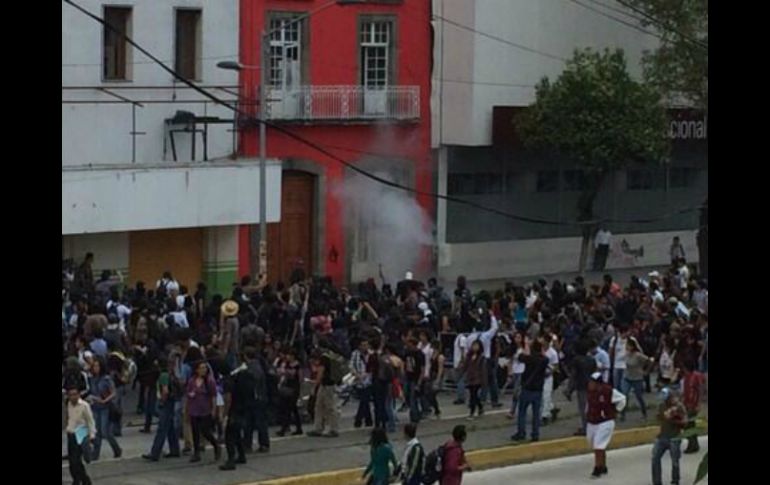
{"x":177,"y":250}
{"x":290,"y":241}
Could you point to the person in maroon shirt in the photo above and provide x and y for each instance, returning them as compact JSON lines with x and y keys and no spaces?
{"x":604,"y":402}
{"x":454,"y":462}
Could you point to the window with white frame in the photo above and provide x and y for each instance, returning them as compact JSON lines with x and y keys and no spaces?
{"x":285,"y":51}
{"x":376,"y":43}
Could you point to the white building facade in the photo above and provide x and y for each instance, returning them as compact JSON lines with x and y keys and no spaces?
{"x":150,"y":177}
{"x":488,"y":56}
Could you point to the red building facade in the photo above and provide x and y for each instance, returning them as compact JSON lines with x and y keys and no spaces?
{"x":353,"y":77}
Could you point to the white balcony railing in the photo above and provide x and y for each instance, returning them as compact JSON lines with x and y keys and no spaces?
{"x":330,"y":103}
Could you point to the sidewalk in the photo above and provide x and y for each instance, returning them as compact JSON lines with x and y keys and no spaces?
{"x":291,"y":456}
{"x":622,"y":276}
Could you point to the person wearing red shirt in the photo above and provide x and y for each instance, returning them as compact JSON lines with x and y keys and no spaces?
{"x":604,"y":402}
{"x":692,"y":385}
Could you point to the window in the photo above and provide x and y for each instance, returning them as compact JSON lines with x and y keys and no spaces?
{"x":682,"y":177}
{"x":116,"y":61}
{"x":640,"y":180}
{"x":547,"y":180}
{"x":285,"y":51}
{"x":474,"y":183}
{"x":188,"y":43}
{"x":376,"y":45}
{"x":575,"y":180}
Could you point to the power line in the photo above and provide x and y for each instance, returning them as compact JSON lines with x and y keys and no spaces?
{"x":616,"y":9}
{"x":96,"y":64}
{"x":616,"y":19}
{"x":662,"y":25}
{"x":499,"y":39}
{"x":484,"y":83}
{"x":344,"y":162}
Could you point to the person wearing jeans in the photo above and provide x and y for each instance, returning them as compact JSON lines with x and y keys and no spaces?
{"x":460,"y":349}
{"x":533,"y":380}
{"x":363,"y":385}
{"x":673,"y":446}
{"x":103,"y":391}
{"x":673,"y":418}
{"x":168,"y":426}
{"x":636,"y":363}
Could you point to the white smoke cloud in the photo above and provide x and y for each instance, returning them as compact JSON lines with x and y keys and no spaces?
{"x":397,"y":228}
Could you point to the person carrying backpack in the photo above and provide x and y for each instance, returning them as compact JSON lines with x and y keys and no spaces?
{"x":453,"y":462}
{"x":169,"y":392}
{"x":325,"y":401}
{"x":414,"y":457}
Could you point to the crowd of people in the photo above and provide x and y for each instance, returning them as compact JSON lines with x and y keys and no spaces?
{"x":218,"y":368}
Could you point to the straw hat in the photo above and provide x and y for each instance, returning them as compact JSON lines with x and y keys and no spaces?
{"x":230,"y":308}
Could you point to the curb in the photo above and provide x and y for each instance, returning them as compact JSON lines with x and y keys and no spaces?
{"x":490,"y":457}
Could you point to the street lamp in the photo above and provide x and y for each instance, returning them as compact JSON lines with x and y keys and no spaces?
{"x":237,"y":66}
{"x":263,"y":61}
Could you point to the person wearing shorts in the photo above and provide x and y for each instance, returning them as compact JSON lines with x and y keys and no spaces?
{"x":604,"y":402}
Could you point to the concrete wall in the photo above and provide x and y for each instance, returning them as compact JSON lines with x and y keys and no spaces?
{"x":507,"y":259}
{"x":479,"y":73}
{"x":192,"y":195}
{"x":99,"y":133}
{"x":220,"y":259}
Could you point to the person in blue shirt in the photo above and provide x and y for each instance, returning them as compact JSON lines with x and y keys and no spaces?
{"x":602,"y":360}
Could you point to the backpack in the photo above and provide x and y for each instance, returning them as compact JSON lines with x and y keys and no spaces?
{"x":385,"y":371}
{"x":416,"y":461}
{"x":338,"y":366}
{"x":176,"y":388}
{"x":434,"y":465}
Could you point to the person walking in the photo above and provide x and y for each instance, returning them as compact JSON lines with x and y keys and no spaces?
{"x":325,"y":403}
{"x":289,"y":373}
{"x":414,"y":457}
{"x":102,"y":394}
{"x":363,"y":384}
{"x":240,"y":387}
{"x":583,"y":366}
{"x":672,"y":417}
{"x":475,"y":377}
{"x":454,"y":463}
{"x":81,"y":431}
{"x":201,"y":405}
{"x":604,"y":402}
{"x":636,"y":366}
{"x":381,"y":457}
{"x":170,"y":391}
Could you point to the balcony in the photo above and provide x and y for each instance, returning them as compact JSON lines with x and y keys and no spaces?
{"x":344,"y":103}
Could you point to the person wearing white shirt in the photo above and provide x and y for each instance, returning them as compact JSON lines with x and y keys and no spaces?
{"x":81,"y":430}
{"x":122,"y":310}
{"x":701,"y":298}
{"x":461,"y":346}
{"x":602,"y":361}
{"x":601,"y":248}
{"x":516,"y":371}
{"x":547,"y":407}
{"x":426,"y":349}
{"x":180,"y":318}
{"x":618,"y":356}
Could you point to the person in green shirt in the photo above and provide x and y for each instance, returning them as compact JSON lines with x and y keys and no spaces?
{"x":378,"y":471}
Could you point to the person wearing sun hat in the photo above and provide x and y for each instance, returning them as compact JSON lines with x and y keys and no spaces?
{"x":604,"y":402}
{"x":229,"y":337}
